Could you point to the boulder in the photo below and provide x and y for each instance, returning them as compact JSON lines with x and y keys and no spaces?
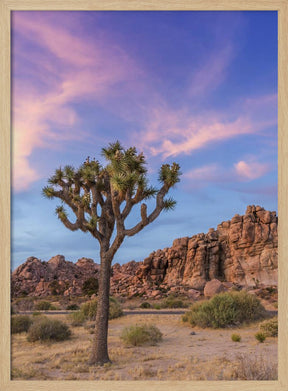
{"x":214,"y":287}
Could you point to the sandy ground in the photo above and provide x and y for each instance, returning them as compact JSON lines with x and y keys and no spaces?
{"x":208,"y":355}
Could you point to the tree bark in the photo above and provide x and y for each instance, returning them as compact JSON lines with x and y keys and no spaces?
{"x":99,"y":354}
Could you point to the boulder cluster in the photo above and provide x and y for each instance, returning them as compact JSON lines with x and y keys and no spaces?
{"x":240,"y":252}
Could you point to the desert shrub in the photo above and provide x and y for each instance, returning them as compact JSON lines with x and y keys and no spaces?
{"x":173,"y":302}
{"x":89,"y":309}
{"x":141,"y":335}
{"x":260,"y":336}
{"x":236,"y":337}
{"x":77,"y":318}
{"x":24,"y":304}
{"x":90,"y":286}
{"x":44,"y":306}
{"x":225,"y":309}
{"x":115,"y":310}
{"x":72,"y":307}
{"x":269,"y":327}
{"x":157,"y":306}
{"x":145,"y":304}
{"x":20,"y":323}
{"x":45,"y":329}
{"x":251,"y":367}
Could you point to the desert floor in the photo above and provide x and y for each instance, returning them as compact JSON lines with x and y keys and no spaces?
{"x":209,"y":354}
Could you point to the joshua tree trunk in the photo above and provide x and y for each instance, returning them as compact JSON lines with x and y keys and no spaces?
{"x":99,"y":354}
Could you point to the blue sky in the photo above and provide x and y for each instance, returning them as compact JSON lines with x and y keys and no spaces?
{"x":198,"y":88}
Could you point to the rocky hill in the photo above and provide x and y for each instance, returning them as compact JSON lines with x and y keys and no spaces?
{"x":241,"y":251}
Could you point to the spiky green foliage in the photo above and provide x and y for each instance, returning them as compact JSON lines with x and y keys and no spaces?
{"x":102,"y":197}
{"x":48,"y":192}
{"x":61,"y":212}
{"x":169,"y":204}
{"x":169,"y":174}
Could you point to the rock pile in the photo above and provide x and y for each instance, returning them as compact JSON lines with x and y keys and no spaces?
{"x":242,"y":251}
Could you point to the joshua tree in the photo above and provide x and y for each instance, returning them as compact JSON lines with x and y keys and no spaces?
{"x":101,"y":199}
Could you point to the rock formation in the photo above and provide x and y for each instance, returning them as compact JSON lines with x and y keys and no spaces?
{"x":241,"y":251}
{"x":57,"y":276}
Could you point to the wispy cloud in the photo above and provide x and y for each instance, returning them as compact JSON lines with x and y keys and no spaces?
{"x":212,"y":72}
{"x":76,"y":70}
{"x":241,"y":171}
{"x":170,"y":132}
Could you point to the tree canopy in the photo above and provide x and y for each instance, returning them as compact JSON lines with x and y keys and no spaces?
{"x":102,"y":197}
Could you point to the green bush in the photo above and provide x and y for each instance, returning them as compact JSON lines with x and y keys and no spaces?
{"x":44,"y":306}
{"x":45,"y":329}
{"x":225,"y":309}
{"x":145,"y":304}
{"x":141,"y":335}
{"x":115,"y":310}
{"x":173,"y":302}
{"x":89,"y":309}
{"x":72,"y":307}
{"x":20,"y":323}
{"x":269,"y":327}
{"x":77,"y":318}
{"x":260,"y":336}
{"x":236,"y":337}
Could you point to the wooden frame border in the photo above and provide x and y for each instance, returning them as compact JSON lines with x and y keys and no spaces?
{"x":6,"y":6}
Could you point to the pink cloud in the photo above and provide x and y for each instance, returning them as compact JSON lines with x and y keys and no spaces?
{"x":242,"y":171}
{"x":68,"y":69}
{"x":251,"y":170}
{"x":171,"y":132}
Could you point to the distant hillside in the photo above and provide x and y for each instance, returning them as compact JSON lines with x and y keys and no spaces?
{"x":241,"y":251}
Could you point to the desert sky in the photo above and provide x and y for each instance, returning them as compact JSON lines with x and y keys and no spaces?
{"x":198,"y":88}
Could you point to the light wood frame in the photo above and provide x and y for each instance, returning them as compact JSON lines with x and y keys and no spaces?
{"x":5,"y":166}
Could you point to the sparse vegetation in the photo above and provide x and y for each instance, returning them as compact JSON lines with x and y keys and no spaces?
{"x":173,"y":302}
{"x":20,"y":323}
{"x":260,"y":337}
{"x":177,"y":357}
{"x":269,"y":327}
{"x":225,"y":309}
{"x":141,"y":335}
{"x":45,"y":329}
{"x":250,"y":367}
{"x":72,"y":307}
{"x":236,"y":337}
{"x":89,"y":309}
{"x":24,"y":304}
{"x":44,"y":306}
{"x":77,"y":318}
{"x":145,"y":304}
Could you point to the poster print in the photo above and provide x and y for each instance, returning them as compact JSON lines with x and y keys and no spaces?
{"x":192,"y":111}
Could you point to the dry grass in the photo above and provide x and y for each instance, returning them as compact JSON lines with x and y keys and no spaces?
{"x":207,"y":355}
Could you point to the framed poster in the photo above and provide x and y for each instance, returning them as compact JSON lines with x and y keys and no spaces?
{"x":196,"y":83}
